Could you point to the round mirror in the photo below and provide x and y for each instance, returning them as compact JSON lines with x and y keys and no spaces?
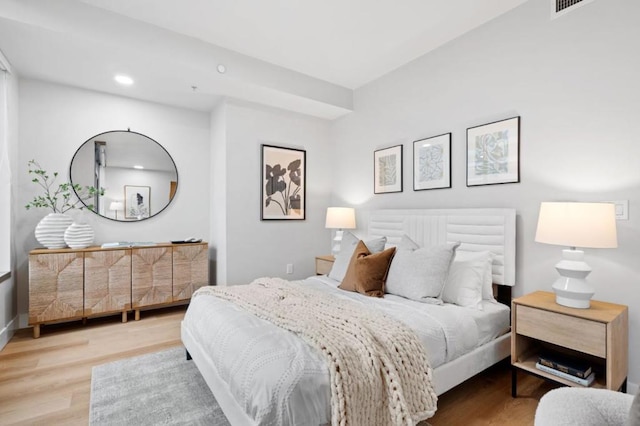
{"x":137,"y":174}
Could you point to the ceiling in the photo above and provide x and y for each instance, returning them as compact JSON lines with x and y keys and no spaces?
{"x":305,"y":56}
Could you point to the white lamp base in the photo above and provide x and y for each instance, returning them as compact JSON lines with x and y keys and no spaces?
{"x":572,"y":288}
{"x":337,"y":240}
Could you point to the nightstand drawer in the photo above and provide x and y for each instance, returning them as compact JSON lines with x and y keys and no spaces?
{"x":563,"y":330}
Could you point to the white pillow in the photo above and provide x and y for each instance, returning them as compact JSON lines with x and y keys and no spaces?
{"x":487,"y":258}
{"x":419,"y":273}
{"x":347,"y":246}
{"x":464,"y":284}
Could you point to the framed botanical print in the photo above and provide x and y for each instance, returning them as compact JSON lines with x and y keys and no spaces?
{"x":283,"y":183}
{"x":432,"y":162}
{"x":137,"y":202}
{"x":387,"y":170}
{"x":493,"y":153}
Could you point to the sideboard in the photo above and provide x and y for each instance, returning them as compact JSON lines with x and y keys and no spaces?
{"x":69,"y":284}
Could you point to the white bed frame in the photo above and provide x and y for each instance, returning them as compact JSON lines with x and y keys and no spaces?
{"x":475,"y":229}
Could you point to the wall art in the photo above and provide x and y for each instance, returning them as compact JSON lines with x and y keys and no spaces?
{"x":283,"y":183}
{"x":432,"y":162}
{"x":493,"y":153}
{"x":387,"y":170}
{"x":137,"y":202}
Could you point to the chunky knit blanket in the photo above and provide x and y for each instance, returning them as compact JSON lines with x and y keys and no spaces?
{"x":379,"y":370}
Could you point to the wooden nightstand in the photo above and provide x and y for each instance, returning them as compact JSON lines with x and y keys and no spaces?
{"x":324,"y":264}
{"x":598,"y":334}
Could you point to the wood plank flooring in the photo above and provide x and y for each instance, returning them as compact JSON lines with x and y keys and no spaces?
{"x":47,"y":381}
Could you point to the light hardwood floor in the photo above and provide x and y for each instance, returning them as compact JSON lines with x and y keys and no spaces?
{"x":47,"y":381}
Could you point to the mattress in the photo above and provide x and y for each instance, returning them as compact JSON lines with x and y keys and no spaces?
{"x":276,"y":378}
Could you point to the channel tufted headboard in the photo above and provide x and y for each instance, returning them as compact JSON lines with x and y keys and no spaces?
{"x":476,"y":229}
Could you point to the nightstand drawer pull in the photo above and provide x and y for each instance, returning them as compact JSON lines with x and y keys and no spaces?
{"x":563,"y":330}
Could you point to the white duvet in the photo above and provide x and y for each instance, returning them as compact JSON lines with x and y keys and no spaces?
{"x":280,"y":380}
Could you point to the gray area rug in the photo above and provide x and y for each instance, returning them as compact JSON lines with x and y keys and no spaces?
{"x":162,"y":388}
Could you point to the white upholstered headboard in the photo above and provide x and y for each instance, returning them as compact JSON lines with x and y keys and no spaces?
{"x":476,"y":230}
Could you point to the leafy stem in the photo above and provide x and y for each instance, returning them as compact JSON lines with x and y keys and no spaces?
{"x":60,"y":199}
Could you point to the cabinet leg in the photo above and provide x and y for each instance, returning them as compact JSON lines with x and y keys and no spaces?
{"x":137,"y":317}
{"x":36,"y":331}
{"x":514,"y":383}
{"x":124,"y":316}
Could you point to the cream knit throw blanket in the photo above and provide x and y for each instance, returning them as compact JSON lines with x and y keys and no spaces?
{"x":380,"y":373}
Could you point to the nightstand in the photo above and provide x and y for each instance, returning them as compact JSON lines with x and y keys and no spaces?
{"x":598,"y":335}
{"x":324,"y":264}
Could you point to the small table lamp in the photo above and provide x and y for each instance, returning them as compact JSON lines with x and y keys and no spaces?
{"x":339,"y":218}
{"x":116,"y":205}
{"x":591,"y":225}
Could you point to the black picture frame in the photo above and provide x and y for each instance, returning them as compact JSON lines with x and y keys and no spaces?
{"x":283,"y":183}
{"x":387,"y":170}
{"x":432,"y":162}
{"x":493,"y":153}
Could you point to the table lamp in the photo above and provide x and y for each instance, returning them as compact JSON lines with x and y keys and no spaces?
{"x":573,"y":224}
{"x":116,"y":205}
{"x":339,"y":218}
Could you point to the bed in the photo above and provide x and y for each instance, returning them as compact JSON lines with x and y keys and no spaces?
{"x":262,"y":374}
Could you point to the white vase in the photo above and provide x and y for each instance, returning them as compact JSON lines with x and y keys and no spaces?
{"x":50,"y":230}
{"x":78,"y":235}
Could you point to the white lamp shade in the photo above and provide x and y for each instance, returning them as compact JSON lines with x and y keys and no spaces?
{"x":116,"y":205}
{"x":340,"y":218}
{"x":573,"y":224}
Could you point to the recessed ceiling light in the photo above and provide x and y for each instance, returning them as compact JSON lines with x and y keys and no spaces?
{"x":123,"y":79}
{"x":222,"y":69}
{"x":139,"y":167}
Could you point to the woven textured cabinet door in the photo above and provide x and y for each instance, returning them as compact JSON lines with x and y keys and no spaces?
{"x":107,"y":281}
{"x":55,"y":286}
{"x":190,"y":270}
{"x":151,"y":276}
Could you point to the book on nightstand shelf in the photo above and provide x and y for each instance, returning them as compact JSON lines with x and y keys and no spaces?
{"x":578,"y":380}
{"x":575,"y":367}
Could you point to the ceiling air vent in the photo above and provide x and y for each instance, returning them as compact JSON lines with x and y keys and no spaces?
{"x":561,"y":7}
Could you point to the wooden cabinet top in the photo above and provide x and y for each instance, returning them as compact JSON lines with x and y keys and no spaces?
{"x":98,"y":248}
{"x":599,"y":311}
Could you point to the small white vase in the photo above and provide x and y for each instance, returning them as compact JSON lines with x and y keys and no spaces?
{"x":78,"y":235}
{"x":50,"y":230}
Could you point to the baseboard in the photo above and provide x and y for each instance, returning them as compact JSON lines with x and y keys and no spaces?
{"x":7,"y":333}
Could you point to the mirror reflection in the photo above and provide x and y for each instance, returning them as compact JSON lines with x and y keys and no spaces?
{"x":138,"y":175}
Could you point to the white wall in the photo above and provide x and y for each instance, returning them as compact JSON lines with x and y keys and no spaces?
{"x":574,"y":81}
{"x":264,"y":248}
{"x":55,"y":120}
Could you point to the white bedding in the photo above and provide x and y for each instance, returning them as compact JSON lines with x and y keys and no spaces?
{"x":277,"y":379}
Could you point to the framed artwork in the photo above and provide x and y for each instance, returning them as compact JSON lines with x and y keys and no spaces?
{"x":432,"y":162}
{"x":387,"y":170}
{"x":137,"y":202}
{"x":493,"y":153}
{"x":283,"y":183}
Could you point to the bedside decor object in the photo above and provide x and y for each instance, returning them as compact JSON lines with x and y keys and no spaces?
{"x":493,"y":153}
{"x":339,"y":218}
{"x":283,"y":183}
{"x":575,"y":224}
{"x":115,"y":206}
{"x":432,"y":163}
{"x":78,"y":235}
{"x":50,"y":230}
{"x":137,"y":202}
{"x":387,"y":170}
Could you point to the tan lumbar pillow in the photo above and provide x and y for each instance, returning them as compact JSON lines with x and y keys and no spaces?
{"x":367,"y":272}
